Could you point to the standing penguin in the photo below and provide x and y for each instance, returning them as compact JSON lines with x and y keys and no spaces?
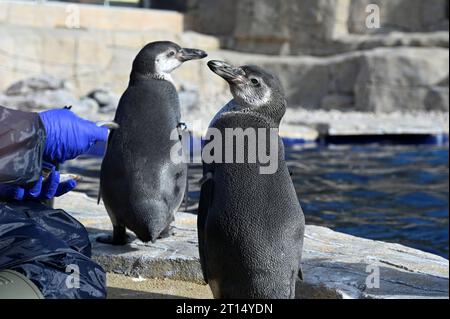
{"x":139,"y":183}
{"x":250,"y":225}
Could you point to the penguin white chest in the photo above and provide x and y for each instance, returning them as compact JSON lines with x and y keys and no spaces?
{"x":164,"y":67}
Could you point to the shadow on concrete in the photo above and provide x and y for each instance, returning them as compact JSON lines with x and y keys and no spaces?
{"x":95,"y":232}
{"x":323,"y":280}
{"x":121,"y":293}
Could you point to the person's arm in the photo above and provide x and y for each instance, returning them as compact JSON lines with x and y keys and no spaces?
{"x":22,"y":142}
{"x":28,"y":140}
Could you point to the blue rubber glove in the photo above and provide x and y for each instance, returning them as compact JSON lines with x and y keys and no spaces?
{"x":68,"y":135}
{"x":40,"y":190}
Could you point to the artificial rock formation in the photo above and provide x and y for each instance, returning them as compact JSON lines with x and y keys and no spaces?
{"x":314,"y":27}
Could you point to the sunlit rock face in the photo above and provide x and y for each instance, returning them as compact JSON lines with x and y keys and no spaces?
{"x":326,"y":57}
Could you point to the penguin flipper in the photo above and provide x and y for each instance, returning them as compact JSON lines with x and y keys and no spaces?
{"x":206,"y":197}
{"x":99,"y":195}
{"x":300,"y":274}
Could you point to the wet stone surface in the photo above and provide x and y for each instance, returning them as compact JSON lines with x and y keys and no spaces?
{"x":335,"y":265}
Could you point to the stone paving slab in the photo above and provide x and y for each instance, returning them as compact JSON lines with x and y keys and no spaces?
{"x":335,"y":265}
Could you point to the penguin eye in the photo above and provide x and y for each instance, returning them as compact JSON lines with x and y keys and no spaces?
{"x":171,"y":54}
{"x":254,"y":81}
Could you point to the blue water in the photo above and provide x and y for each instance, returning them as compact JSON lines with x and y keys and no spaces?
{"x":384,"y":192}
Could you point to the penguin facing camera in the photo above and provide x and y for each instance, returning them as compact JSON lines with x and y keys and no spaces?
{"x":250,"y":225}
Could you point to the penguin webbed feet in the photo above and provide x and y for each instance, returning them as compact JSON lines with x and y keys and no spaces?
{"x":168,"y":232}
{"x":182,"y":128}
{"x":118,"y":238}
{"x":208,"y":176}
{"x":300,"y":274}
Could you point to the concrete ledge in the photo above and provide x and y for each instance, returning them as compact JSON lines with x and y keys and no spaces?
{"x":334,"y":264}
{"x":365,"y":124}
{"x":56,"y":15}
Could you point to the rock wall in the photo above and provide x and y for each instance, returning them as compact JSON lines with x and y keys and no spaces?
{"x":401,"y":15}
{"x":87,"y":59}
{"x":63,"y":15}
{"x":353,"y":71}
{"x":288,"y":27}
{"x":380,"y":80}
{"x":316,"y":27}
{"x":220,"y":20}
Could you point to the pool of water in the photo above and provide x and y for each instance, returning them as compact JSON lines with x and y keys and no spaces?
{"x":394,"y":193}
{"x":391,"y":193}
{"x":384,"y":192}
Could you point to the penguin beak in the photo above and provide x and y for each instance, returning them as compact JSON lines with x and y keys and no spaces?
{"x":227,"y":71}
{"x":190,"y":54}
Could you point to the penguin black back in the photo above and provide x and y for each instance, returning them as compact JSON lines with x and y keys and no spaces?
{"x":140,"y":185}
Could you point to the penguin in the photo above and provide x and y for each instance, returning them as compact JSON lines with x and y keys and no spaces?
{"x":250,"y":225}
{"x":140,"y":185}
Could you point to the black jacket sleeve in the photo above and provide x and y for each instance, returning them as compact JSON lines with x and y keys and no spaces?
{"x":22,"y":141}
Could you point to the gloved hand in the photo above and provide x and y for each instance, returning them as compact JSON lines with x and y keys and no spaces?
{"x":68,"y":135}
{"x":40,"y":190}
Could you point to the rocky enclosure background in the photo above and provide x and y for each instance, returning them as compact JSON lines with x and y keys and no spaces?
{"x":327,"y":58}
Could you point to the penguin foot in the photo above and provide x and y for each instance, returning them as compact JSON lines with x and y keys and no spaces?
{"x":111,"y":240}
{"x":300,"y":274}
{"x":169,"y":231}
{"x":182,"y":126}
{"x":182,"y":129}
{"x":118,"y":238}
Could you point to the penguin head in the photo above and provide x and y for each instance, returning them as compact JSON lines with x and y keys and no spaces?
{"x":159,"y":59}
{"x":253,"y":88}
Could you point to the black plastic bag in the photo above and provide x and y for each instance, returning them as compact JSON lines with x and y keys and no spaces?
{"x":51,"y":248}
